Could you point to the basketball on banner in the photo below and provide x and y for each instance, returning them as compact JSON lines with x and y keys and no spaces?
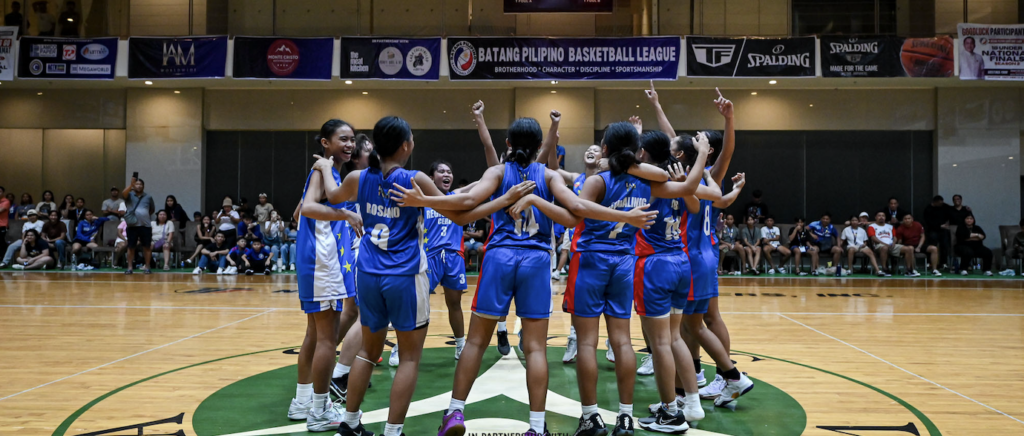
{"x":927,"y":57}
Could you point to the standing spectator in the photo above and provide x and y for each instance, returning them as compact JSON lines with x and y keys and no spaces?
{"x":249,"y":230}
{"x":958,"y":213}
{"x":227,"y":220}
{"x":728,"y":240}
{"x":111,"y":205}
{"x":5,"y":216}
{"x":826,"y":238}
{"x":35,"y":253}
{"x":911,"y":235}
{"x":25,"y":206}
{"x":257,"y":259}
{"x":33,"y":224}
{"x":474,"y":234}
{"x":884,"y":238}
{"x":163,"y":237}
{"x":756,"y":208}
{"x":12,"y":212}
{"x":936,"y":227}
{"x":85,"y":238}
{"x":66,"y":207}
{"x":857,"y":241}
{"x":55,"y":233}
{"x":15,"y":18}
{"x":263,"y":209}
{"x":236,"y":258}
{"x":893,"y":212}
{"x":750,"y":239}
{"x":205,"y":232}
{"x":214,"y":254}
{"x":175,"y":212}
{"x":139,"y":207}
{"x":293,"y":232}
{"x":78,"y":213}
{"x":772,"y":237}
{"x":243,"y":206}
{"x":44,"y":19}
{"x":274,"y":238}
{"x":799,"y":243}
{"x":69,"y":21}
{"x":44,"y":207}
{"x":969,"y":246}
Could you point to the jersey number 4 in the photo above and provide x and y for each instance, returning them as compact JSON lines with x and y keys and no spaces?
{"x":528,"y":225}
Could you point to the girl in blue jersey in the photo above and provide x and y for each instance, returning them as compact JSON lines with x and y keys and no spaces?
{"x":446,"y":265}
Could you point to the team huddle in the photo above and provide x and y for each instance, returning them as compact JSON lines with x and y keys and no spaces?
{"x":641,"y":240}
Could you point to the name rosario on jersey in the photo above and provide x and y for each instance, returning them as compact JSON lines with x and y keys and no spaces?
{"x":441,"y":219}
{"x":383,"y":212}
{"x":629,"y":203}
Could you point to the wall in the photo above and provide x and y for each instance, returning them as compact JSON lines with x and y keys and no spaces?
{"x":743,"y":17}
{"x":950,"y":12}
{"x":577,"y":124}
{"x":59,"y":108}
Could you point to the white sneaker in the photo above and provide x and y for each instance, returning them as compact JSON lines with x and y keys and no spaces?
{"x":734,"y":389}
{"x":232,"y":270}
{"x":556,"y":276}
{"x":936,"y":273}
{"x":782,"y":270}
{"x":17,"y":266}
{"x":610,"y":354}
{"x":771,"y":271}
{"x":646,"y":366}
{"x":393,"y":360}
{"x":914,"y":274}
{"x":220,"y":271}
{"x":325,"y":420}
{"x":988,"y":273}
{"x":197,"y":271}
{"x":693,"y":411}
{"x":701,"y":381}
{"x":299,"y":411}
{"x":714,"y":389}
{"x":458,"y":349}
{"x":570,"y":350}
{"x":293,"y":267}
{"x":963,"y":273}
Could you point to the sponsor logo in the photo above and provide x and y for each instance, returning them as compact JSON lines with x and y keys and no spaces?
{"x":778,"y":49}
{"x":43,"y":51}
{"x":70,"y":52}
{"x":35,"y":67}
{"x":390,"y":61}
{"x":419,"y":61}
{"x":463,"y":58}
{"x":56,"y":68}
{"x":779,"y":59}
{"x":713,"y":55}
{"x":283,"y":57}
{"x":95,"y":52}
{"x":174,"y":54}
{"x":90,"y":69}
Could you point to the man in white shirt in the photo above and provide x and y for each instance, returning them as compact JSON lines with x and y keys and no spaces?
{"x":33,"y":223}
{"x":111,"y":205}
{"x":857,"y":241}
{"x":972,"y":65}
{"x":772,"y":242}
{"x":882,"y":234}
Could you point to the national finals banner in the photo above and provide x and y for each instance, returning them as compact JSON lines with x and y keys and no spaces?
{"x":750,"y":57}
{"x":67,"y":58}
{"x":991,"y":52}
{"x":258,"y":57}
{"x":886,"y":56}
{"x":385,"y":58}
{"x":501,"y":58}
{"x":188,"y":57}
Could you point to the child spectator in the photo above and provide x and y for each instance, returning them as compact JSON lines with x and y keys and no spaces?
{"x":205,"y":232}
{"x":235,"y":257}
{"x":728,"y":240}
{"x":214,"y":254}
{"x":750,"y":238}
{"x":249,"y":230}
{"x":85,"y":239}
{"x":257,"y":259}
{"x":771,"y":235}
{"x":800,"y":243}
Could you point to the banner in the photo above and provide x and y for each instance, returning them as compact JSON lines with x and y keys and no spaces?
{"x":750,"y":57}
{"x":991,"y":52}
{"x":390,"y":58}
{"x":283,"y":58}
{"x":570,"y":6}
{"x":873,"y":56}
{"x":177,"y":58}
{"x":67,"y":58}
{"x":502,"y":58}
{"x":8,"y":35}
{"x":927,"y":57}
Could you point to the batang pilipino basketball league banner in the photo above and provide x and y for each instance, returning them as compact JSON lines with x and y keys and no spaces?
{"x":750,"y":57}
{"x":283,"y":58}
{"x":390,"y":58}
{"x":886,"y":56}
{"x":66,"y":58}
{"x":499,"y":58}
{"x":8,"y":36}
{"x":991,"y":52}
{"x":177,"y":58}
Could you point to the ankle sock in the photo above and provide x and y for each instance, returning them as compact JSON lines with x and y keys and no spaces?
{"x":319,"y":400}
{"x":501,"y":326}
{"x":537,"y":421}
{"x":589,"y":411}
{"x":304,"y":392}
{"x":460,"y":342}
{"x":626,"y":409}
{"x":392,"y":429}
{"x":340,"y":370}
{"x":732,"y":374}
{"x":454,"y":405}
{"x":672,"y":408}
{"x":351,"y":419}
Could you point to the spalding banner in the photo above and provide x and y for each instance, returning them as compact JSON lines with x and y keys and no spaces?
{"x":391,"y":58}
{"x":67,"y":58}
{"x":873,"y":56}
{"x":177,"y":58}
{"x":258,"y":57}
{"x":991,"y":52}
{"x":750,"y":57}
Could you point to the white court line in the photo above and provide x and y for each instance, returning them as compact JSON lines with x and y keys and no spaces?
{"x":137,"y":354}
{"x":899,"y":368}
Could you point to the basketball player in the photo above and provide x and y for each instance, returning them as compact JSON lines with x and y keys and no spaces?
{"x":446,"y":265}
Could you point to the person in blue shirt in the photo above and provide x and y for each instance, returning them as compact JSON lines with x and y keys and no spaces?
{"x":560,"y":153}
{"x":826,"y":237}
{"x":249,"y":229}
{"x":85,"y":237}
{"x":257,"y":259}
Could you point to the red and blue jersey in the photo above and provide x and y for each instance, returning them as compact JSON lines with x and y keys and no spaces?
{"x":622,"y":192}
{"x":531,"y":229}
{"x":665,"y":235}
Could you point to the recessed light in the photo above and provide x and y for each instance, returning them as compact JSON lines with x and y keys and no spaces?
{"x":1011,"y":157}
{"x":554,"y":92}
{"x":365,"y":92}
{"x":954,"y":164}
{"x":148,"y":82}
{"x":177,"y":92}
{"x":348,"y":82}
{"x":637,"y":105}
{"x":772,"y":82}
{"x":812,"y":105}
{"x":39,"y":93}
{"x":554,"y":82}
{"x":753,"y":93}
{"x":444,"y":112}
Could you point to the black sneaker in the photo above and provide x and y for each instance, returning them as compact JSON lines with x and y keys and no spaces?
{"x":593,"y":426}
{"x":248,"y":272}
{"x":345,"y":430}
{"x":339,"y":388}
{"x":503,"y":346}
{"x":623,"y":425}
{"x":266,"y":272}
{"x":662,"y":422}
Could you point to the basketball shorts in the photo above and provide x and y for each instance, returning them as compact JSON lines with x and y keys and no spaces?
{"x":447,"y":269}
{"x":704,"y":273}
{"x":320,"y":306}
{"x":518,"y":274}
{"x":699,"y":307}
{"x":660,"y":282}
{"x":600,"y":283}
{"x":403,"y":300}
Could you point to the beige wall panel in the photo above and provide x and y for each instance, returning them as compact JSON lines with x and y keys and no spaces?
{"x":318,"y":17}
{"x":72,"y":163}
{"x":113,"y":159}
{"x":712,"y":17}
{"x":774,"y":18}
{"x":674,"y":17}
{"x":489,"y":18}
{"x":22,"y":150}
{"x":617,"y":23}
{"x":992,"y":11}
{"x":947,"y":14}
{"x":742,"y":17}
{"x":62,"y":108}
{"x":555,"y":25}
{"x":159,"y":17}
{"x":402,"y":17}
{"x":576,"y":130}
{"x":251,"y":17}
{"x":456,"y":17}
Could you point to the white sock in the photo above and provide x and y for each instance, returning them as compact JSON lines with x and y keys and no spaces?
{"x":692,"y":398}
{"x":589,"y":411}
{"x":572,"y":331}
{"x":626,"y":409}
{"x":351,"y":419}
{"x":319,"y":400}
{"x":501,"y":326}
{"x":460,"y":342}
{"x":537,"y":421}
{"x":672,"y":408}
{"x":304,"y":392}
{"x":341,"y":370}
{"x":454,"y":405}
{"x":392,"y":429}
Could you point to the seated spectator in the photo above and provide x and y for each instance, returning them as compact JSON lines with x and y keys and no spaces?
{"x":799,"y":243}
{"x":475,"y":233}
{"x":197,"y":216}
{"x":44,"y":207}
{"x":258,"y":259}
{"x":25,"y":206}
{"x":121,"y":243}
{"x":227,"y":221}
{"x":864,"y":220}
{"x":66,"y":207}
{"x":263,"y":209}
{"x":249,"y":230}
{"x":34,"y":253}
{"x":756,"y":208}
{"x":884,"y":238}
{"x":970,"y":246}
{"x":728,"y":240}
{"x":235,"y":257}
{"x":274,"y":239}
{"x":912,"y":236}
{"x":772,"y":237}
{"x":85,"y":239}
{"x":163,"y":237}
{"x":857,"y":242}
{"x":112,"y":204}
{"x":293,"y":232}
{"x":825,"y":236}
{"x":893,"y":212}
{"x":958,"y":213}
{"x":78,"y":213}
{"x":936,"y":227}
{"x":214,"y":254}
{"x":6,"y":205}
{"x":175,"y":212}
{"x":1016,"y":250}
{"x":33,"y":224}
{"x":55,"y":234}
{"x":205,"y":232}
{"x":750,"y":239}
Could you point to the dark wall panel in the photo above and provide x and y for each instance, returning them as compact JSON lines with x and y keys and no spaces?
{"x":461,"y":148}
{"x":773,"y":163}
{"x":221,"y":168}
{"x":293,"y":157}
{"x":256,"y":165}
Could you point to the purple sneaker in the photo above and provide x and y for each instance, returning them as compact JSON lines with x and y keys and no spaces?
{"x":452,"y":424}
{"x":533,"y":432}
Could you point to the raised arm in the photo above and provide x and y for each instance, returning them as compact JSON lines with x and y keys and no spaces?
{"x":415,"y":197}
{"x":549,"y":147}
{"x":490,"y":154}
{"x":663,"y":122}
{"x":728,"y":141}
{"x":692,"y":180}
{"x":128,"y":189}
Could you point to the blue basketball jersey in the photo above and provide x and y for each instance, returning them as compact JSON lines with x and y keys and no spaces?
{"x":622,"y":192}
{"x":664,"y":235}
{"x":530,"y":230}
{"x":392,"y":241}
{"x":441,"y":233}
{"x":577,"y":185}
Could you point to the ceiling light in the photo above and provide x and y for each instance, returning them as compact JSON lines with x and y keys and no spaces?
{"x":177,"y":92}
{"x":554,"y":92}
{"x":1011,"y":157}
{"x":348,"y":82}
{"x":772,"y":82}
{"x":554,"y":82}
{"x":954,"y":164}
{"x":637,"y":105}
{"x":149,"y":83}
{"x":366,"y":92}
{"x":39,"y":93}
{"x":753,"y":93}
{"x":812,"y":105}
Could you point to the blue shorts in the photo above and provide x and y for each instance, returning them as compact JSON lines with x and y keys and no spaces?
{"x":696,"y":306}
{"x":600,"y":283}
{"x":704,"y":270}
{"x":320,"y":306}
{"x":661,"y":282}
{"x":402,"y":300}
{"x":514,"y":273}
{"x":448,"y":269}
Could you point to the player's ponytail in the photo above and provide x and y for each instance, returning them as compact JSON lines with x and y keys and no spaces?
{"x":659,"y":146}
{"x":389,"y":134}
{"x":525,"y":137}
{"x":621,"y":141}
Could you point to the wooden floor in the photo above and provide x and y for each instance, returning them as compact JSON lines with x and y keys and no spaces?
{"x":87,"y":353}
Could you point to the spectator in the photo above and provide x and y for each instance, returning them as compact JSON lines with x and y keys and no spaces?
{"x":12,"y":212}
{"x":257,"y":259}
{"x":750,"y":239}
{"x":227,"y":220}
{"x":55,"y":234}
{"x":274,"y":238}
{"x":163,"y":237}
{"x":912,"y":236}
{"x":5,"y":216}
{"x":958,"y":213}
{"x":756,"y":208}
{"x":66,"y":207}
{"x":205,"y":232}
{"x":33,"y":224}
{"x":474,"y":235}
{"x":44,"y":207}
{"x":560,"y":151}
{"x":175,"y":212}
{"x":883,"y":236}
{"x":243,"y":206}
{"x":139,"y":207}
{"x":111,"y":205}
{"x":799,"y":243}
{"x":249,"y":230}
{"x":25,"y":206}
{"x":893,"y":212}
{"x":85,"y":239}
{"x":78,"y":213}
{"x":936,"y":227}
{"x":969,"y":246}
{"x":826,"y":238}
{"x":214,"y":254}
{"x":728,"y":240}
{"x":44,"y":20}
{"x":293,"y":232}
{"x":857,"y":242}
{"x":35,"y":253}
{"x":1016,"y":250}
{"x":121,"y":242}
{"x":15,"y":18}
{"x":235,"y":257}
{"x":772,"y":236}
{"x":69,"y":21}
{"x":263,"y":209}
{"x":864,"y":220}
